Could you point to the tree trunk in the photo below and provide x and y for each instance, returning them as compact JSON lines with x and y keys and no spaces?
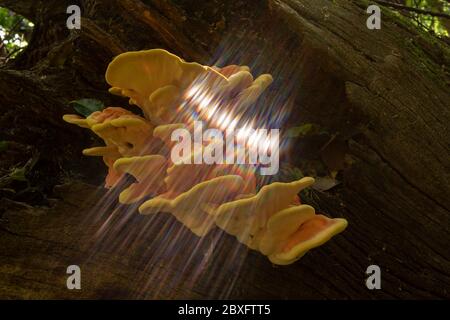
{"x":381,"y":96}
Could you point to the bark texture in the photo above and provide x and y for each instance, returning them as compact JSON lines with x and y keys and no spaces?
{"x":382,"y":97}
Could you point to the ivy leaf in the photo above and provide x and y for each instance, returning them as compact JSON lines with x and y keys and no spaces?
{"x":87,"y":106}
{"x":300,"y":131}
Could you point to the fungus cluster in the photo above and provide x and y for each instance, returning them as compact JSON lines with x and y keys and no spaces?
{"x":171,"y":93}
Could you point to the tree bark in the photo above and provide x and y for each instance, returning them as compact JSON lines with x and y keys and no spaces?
{"x":382,"y":96}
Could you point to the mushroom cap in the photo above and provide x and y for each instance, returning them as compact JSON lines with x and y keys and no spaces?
{"x":164,"y":133}
{"x":162,"y":103}
{"x":311,"y":234}
{"x":76,"y":119}
{"x":149,"y":172}
{"x":106,"y":151}
{"x":188,"y":207}
{"x":166,"y":88}
{"x":130,"y":134}
{"x":146,"y":71}
{"x":245,"y":217}
{"x":107,"y":114}
{"x":274,"y":224}
{"x":158,"y":81}
{"x":282,"y":225}
{"x":96,"y":117}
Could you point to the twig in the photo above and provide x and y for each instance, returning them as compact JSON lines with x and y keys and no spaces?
{"x":329,"y":142}
{"x":416,"y":10}
{"x":2,"y":47}
{"x":13,"y":52}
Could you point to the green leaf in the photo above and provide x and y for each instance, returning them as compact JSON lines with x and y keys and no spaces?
{"x":18,"y":174}
{"x":3,"y":146}
{"x":300,"y":131}
{"x":87,"y":106}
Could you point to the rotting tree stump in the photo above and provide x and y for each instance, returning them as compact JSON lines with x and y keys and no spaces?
{"x":383,"y":96}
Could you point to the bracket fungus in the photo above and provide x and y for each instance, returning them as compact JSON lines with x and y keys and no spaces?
{"x":171,"y":94}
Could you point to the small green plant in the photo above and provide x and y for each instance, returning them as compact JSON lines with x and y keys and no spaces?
{"x":439,"y":26}
{"x":85,"y":107}
{"x":15,"y":32}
